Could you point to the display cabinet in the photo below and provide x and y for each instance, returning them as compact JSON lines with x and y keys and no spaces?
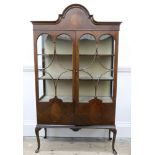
{"x":76,"y":72}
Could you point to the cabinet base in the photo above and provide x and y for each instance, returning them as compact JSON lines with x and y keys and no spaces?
{"x":111,"y":128}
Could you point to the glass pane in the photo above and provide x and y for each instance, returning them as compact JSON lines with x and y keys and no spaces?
{"x":87,"y":49}
{"x":86,"y":87}
{"x":87,"y":45}
{"x":64,"y":45}
{"x":96,"y":68}
{"x":45,"y":44}
{"x":45,"y":52}
{"x":105,"y":57}
{"x":104,"y":90}
{"x":87,"y":52}
{"x":64,"y":87}
{"x":40,"y":84}
{"x":55,"y":67}
{"x":105,"y":46}
{"x":63,"y":67}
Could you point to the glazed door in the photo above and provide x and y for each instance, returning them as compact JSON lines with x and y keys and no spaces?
{"x":55,"y":53}
{"x":95,"y":77}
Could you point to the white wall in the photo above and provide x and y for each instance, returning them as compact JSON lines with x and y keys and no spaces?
{"x":103,"y":11}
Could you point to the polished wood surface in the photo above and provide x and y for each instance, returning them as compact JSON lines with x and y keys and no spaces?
{"x":76,"y":21}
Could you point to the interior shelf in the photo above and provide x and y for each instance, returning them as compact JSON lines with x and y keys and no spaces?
{"x":61,"y":54}
{"x":85,"y":99}
{"x":85,"y":54}
{"x":45,"y":77}
{"x":64,"y":98}
{"x":82,"y":99}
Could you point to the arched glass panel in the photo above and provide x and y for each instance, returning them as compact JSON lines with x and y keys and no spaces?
{"x":45,"y":55}
{"x":64,"y":51}
{"x":63,"y":63}
{"x":87,"y":48}
{"x":106,"y":45}
{"x":96,"y":68}
{"x":104,"y":85}
{"x":55,"y":68}
{"x":87,"y":55}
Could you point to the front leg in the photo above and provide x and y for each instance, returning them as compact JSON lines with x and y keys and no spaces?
{"x":37,"y":129}
{"x":113,"y":140}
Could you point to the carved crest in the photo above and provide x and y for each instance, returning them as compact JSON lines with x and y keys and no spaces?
{"x":76,"y":17}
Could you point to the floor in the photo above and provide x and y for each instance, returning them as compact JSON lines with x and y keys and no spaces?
{"x":76,"y":146}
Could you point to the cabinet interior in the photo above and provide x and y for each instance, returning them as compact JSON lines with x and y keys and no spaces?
{"x":55,"y":63}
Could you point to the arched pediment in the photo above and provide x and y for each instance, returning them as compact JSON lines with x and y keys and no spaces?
{"x":76,"y":17}
{"x":75,"y":6}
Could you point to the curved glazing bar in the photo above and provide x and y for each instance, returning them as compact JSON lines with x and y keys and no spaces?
{"x":87,"y":73}
{"x":99,"y":61}
{"x":64,"y":44}
{"x":44,"y":62}
{"x":97,"y":83}
{"x":62,"y":65}
{"x":64,"y":47}
{"x":58,"y":79}
{"x":91,"y":63}
{"x":103,"y":48}
{"x":106,"y":45}
{"x":54,"y":83}
{"x":56,"y":60}
{"x":45,"y":49}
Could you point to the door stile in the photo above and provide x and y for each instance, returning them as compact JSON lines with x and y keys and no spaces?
{"x":115,"y":71}
{"x":74,"y":75}
{"x":76,"y":72}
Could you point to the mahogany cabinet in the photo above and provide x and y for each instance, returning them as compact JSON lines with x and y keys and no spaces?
{"x":76,"y":61}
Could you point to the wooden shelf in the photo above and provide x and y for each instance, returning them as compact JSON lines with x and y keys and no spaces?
{"x":53,"y":54}
{"x":70,"y":78}
{"x":64,"y":98}
{"x":79,"y":54}
{"x":94,"y":54}
{"x":49,"y":78}
{"x":82,"y":99}
{"x":105,"y":99}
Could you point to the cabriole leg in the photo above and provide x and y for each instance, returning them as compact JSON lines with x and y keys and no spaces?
{"x":113,"y":140}
{"x":37,"y":129}
{"x":45,"y":133}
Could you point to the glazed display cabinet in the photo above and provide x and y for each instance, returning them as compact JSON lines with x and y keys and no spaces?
{"x":76,"y":72}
